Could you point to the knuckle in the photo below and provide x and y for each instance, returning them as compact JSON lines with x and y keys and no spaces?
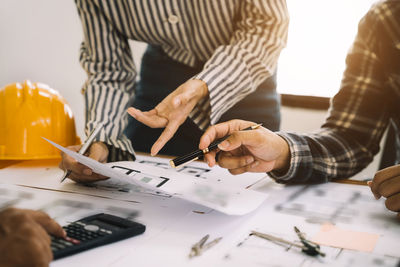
{"x":43,"y":214}
{"x":243,"y":161}
{"x":27,"y":230}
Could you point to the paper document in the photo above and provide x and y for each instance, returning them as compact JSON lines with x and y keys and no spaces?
{"x":219,"y":196}
{"x":331,"y":235}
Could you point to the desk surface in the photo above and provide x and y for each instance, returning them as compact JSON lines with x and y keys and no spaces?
{"x":174,"y":225}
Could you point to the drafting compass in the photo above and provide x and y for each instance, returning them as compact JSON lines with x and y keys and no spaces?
{"x":199,"y":247}
{"x":308,"y":247}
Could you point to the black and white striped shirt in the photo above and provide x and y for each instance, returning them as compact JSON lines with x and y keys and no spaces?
{"x":240,"y":41}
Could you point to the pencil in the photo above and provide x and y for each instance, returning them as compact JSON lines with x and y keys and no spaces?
{"x":85,"y":147}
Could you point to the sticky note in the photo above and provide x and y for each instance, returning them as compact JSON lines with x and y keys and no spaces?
{"x":333,"y":236}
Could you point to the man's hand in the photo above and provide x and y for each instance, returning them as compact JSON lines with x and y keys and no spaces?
{"x":81,"y":173}
{"x":258,"y":150}
{"x":24,"y":239}
{"x":386,"y":183}
{"x":172,"y":111}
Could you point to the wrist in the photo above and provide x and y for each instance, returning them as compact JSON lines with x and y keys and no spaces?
{"x":202,"y":88}
{"x":283,"y":161}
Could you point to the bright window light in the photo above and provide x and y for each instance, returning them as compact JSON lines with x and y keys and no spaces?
{"x":320,"y":34}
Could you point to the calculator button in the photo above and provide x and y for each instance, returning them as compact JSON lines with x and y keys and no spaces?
{"x":72,"y":240}
{"x":92,"y":228}
{"x":60,"y":246}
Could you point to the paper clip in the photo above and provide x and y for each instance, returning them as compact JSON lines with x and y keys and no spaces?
{"x":199,"y":247}
{"x":308,"y":247}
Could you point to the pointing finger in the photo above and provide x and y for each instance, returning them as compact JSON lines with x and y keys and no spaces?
{"x":165,"y":136}
{"x":149,"y":118}
{"x":51,"y":226}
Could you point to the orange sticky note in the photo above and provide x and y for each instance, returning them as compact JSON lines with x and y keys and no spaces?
{"x":332,"y":236}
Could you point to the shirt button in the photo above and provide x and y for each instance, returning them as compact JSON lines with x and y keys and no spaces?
{"x":173,"y":19}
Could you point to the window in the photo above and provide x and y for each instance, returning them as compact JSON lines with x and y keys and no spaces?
{"x":320,"y":34}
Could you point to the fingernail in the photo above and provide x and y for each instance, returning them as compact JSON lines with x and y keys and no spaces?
{"x":87,"y":172}
{"x":224,"y":144}
{"x":249,"y":159}
{"x":255,"y":164}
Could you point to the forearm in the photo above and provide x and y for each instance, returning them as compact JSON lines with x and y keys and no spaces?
{"x":323,"y":156}
{"x":236,"y":69}
{"x":107,"y":59}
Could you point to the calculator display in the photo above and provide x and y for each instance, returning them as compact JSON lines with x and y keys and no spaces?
{"x":106,"y":225}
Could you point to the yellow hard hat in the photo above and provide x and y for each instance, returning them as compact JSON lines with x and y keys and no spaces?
{"x":28,"y":112}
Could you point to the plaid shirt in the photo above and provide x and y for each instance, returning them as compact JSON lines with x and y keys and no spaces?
{"x":368,"y":99}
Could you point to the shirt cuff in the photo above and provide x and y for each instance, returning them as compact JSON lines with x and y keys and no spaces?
{"x":117,"y":154}
{"x":300,"y":168}
{"x":200,"y":114}
{"x":119,"y":149}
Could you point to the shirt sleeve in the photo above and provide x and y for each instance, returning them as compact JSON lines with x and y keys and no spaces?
{"x":359,"y":113}
{"x":106,"y":57}
{"x":238,"y":68}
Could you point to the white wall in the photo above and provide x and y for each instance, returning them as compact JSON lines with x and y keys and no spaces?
{"x":40,"y":41}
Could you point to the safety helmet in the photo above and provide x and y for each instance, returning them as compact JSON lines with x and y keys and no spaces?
{"x":28,"y":112}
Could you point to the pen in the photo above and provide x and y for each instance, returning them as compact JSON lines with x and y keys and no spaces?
{"x":180,"y":161}
{"x":85,"y":146}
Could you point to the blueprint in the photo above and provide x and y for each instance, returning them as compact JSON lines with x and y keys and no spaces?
{"x":146,"y":178}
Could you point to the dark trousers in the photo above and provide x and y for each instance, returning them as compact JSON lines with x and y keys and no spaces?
{"x":160,"y":75}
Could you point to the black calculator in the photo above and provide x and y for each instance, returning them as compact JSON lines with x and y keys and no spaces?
{"x":94,"y":231}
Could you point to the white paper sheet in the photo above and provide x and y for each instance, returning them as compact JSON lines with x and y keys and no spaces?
{"x":219,"y":196}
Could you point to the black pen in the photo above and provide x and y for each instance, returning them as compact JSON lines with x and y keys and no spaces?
{"x":195,"y":155}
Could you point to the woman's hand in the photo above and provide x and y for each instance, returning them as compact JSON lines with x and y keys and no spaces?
{"x":81,"y":173}
{"x":172,"y":111}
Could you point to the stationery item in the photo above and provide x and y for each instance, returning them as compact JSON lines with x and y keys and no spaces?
{"x":195,"y":155}
{"x":308,"y":247}
{"x":94,"y":231}
{"x":198,"y":248}
{"x":85,"y":146}
{"x":331,"y":235}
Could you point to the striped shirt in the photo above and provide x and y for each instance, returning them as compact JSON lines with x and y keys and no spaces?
{"x":369,"y":98}
{"x":240,"y":41}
